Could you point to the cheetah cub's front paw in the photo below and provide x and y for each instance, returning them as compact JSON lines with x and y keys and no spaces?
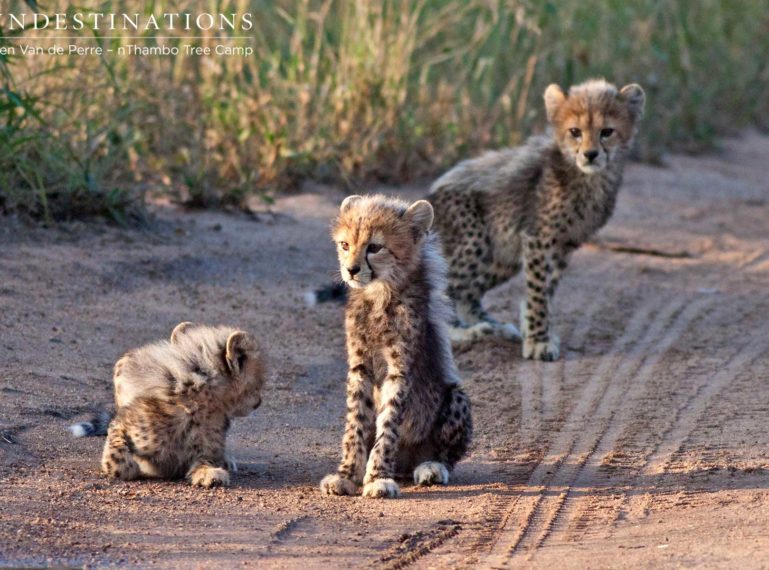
{"x":335,"y":484}
{"x":541,"y":350}
{"x":210,"y":477}
{"x":431,"y":473}
{"x":382,"y":489}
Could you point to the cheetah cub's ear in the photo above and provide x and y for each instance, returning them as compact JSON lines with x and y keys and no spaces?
{"x":554,"y":98}
{"x":421,"y":216}
{"x":180,"y":329}
{"x":635,"y":98}
{"x":239,"y":344}
{"x":349,"y":201}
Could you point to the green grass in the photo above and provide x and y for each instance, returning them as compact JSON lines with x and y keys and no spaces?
{"x":353,"y":91}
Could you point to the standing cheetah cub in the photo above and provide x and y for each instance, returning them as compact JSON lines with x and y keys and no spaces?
{"x":405,"y":407}
{"x":533,"y":206}
{"x":174,"y":401}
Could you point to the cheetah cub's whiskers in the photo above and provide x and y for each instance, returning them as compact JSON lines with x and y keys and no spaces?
{"x":407,"y":414}
{"x":532,"y":206}
{"x":174,"y":402}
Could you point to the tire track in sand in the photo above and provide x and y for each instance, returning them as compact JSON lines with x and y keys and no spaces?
{"x":522,"y":517}
{"x":557,"y":490}
{"x":687,"y":418}
{"x":577,"y":517}
{"x":541,"y":391}
{"x":552,"y":373}
{"x":578,"y":514}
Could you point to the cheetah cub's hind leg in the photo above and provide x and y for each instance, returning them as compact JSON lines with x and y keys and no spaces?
{"x":473,"y":323}
{"x":460,"y":333}
{"x":451,"y":437}
{"x":431,"y":473}
{"x":117,"y":460}
{"x":507,"y":331}
{"x":470,"y":323}
{"x":205,"y":475}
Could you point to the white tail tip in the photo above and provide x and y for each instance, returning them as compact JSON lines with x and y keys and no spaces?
{"x":78,"y":430}
{"x":311,"y":298}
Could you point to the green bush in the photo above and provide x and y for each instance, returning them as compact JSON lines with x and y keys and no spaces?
{"x":349,"y":91}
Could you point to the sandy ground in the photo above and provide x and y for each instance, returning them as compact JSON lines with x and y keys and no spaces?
{"x":645,"y":446}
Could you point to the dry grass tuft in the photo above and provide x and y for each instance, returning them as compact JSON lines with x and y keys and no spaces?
{"x":352,"y":91}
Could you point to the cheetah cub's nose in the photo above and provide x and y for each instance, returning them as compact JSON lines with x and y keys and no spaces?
{"x":591,"y":155}
{"x":354,"y":270}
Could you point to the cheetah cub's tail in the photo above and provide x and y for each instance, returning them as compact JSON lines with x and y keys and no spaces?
{"x":336,"y":292}
{"x":95,"y":426}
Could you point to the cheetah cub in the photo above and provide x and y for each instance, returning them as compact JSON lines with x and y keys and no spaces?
{"x":174,"y":402}
{"x":533,"y":206}
{"x":406,"y":411}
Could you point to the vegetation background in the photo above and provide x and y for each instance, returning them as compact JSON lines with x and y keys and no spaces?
{"x":349,"y":91}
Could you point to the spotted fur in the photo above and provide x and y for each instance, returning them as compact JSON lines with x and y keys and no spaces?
{"x":174,"y":403}
{"x":406,"y":411}
{"x":532,"y":206}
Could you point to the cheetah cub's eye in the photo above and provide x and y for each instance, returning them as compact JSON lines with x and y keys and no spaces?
{"x":344,"y":245}
{"x":607,"y":132}
{"x":576,"y":133}
{"x":374,"y":248}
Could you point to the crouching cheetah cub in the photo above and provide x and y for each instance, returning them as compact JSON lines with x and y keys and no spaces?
{"x":406,"y":412}
{"x":533,"y":206}
{"x":174,"y":402}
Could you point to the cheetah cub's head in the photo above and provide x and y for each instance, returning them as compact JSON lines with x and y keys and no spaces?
{"x":378,"y":239}
{"x":595,"y":122}
{"x":228,"y":361}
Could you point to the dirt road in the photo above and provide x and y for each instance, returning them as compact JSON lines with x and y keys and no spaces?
{"x":645,"y":445}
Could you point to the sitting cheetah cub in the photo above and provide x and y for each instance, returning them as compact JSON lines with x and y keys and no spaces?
{"x":174,"y":401}
{"x":405,"y":407}
{"x":534,"y":205}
